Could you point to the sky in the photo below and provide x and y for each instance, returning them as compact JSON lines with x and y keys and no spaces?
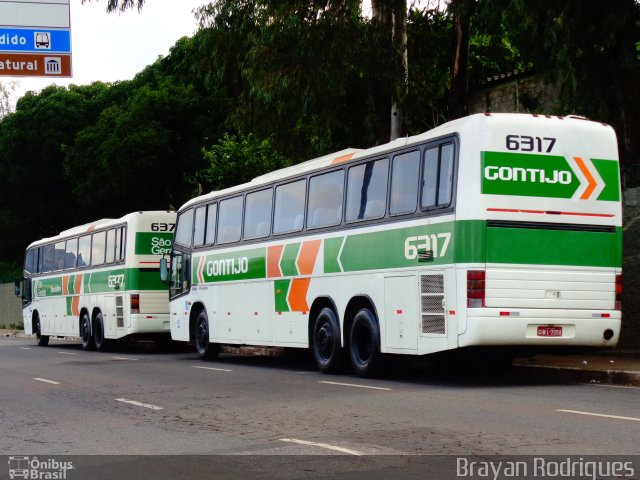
{"x":110,"y":47}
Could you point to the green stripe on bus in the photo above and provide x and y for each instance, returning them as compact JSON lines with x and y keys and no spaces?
{"x":608,"y":170}
{"x":288,"y":262}
{"x":243,"y":265}
{"x":331,"y":251}
{"x":281,"y":289}
{"x":153,"y":243}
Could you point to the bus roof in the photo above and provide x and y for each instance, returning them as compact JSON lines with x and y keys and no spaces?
{"x":95,"y":225}
{"x":352,"y":154}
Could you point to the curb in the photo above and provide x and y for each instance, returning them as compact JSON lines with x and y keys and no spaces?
{"x":552,"y":372}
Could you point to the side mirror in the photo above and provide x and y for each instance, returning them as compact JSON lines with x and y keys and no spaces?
{"x":17,"y":287}
{"x":164,"y":270}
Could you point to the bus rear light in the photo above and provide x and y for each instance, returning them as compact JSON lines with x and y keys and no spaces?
{"x":618,"y":292}
{"x":135,"y":303}
{"x":476,"y":288}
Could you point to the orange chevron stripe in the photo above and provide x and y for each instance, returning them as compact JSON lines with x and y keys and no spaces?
{"x":200,"y":269}
{"x":75,"y":302}
{"x":592,"y":181}
{"x":274,"y":253}
{"x":307,"y":256}
{"x":65,"y":285}
{"x":342,"y":158}
{"x":77,"y":284}
{"x":298,"y":294}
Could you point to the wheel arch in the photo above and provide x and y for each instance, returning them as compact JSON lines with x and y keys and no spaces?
{"x":353,"y":307}
{"x":196,"y":308}
{"x":318,"y":304}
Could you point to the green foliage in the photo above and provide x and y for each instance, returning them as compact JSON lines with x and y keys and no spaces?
{"x":235,"y":160}
{"x":9,"y":272}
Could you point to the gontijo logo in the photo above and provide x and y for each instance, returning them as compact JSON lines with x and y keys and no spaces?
{"x":534,"y":175}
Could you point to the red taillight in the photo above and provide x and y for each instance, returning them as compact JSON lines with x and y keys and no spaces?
{"x":475,"y":288}
{"x":135,"y":303}
{"x":618,"y":292}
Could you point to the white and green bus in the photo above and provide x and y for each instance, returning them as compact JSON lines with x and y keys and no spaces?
{"x":491,"y":232}
{"x":99,"y":281}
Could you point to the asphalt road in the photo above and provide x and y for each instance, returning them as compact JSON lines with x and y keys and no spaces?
{"x":60,"y":400}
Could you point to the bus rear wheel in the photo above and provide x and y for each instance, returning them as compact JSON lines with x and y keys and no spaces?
{"x":364,"y":344}
{"x":206,"y":350}
{"x":85,"y":333}
{"x":101,"y":343}
{"x":325,"y":342}
{"x":41,"y":340}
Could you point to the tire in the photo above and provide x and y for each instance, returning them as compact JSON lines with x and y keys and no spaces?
{"x":364,"y":344}
{"x":206,"y":350}
{"x":41,"y":340}
{"x":325,"y":342}
{"x":86,"y":334}
{"x":101,"y":343}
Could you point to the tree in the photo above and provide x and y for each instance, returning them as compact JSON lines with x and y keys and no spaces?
{"x":121,"y":5}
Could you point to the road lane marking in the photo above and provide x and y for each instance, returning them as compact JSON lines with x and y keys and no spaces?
{"x":616,"y":417}
{"x":68,"y":353}
{"x":139,"y":404}
{"x":52,"y":382}
{"x":125,"y":358}
{"x":25,"y":348}
{"x":355,"y":385}
{"x":322,"y":445}
{"x":212,"y":368}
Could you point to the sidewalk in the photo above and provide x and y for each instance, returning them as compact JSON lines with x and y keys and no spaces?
{"x":616,"y":367}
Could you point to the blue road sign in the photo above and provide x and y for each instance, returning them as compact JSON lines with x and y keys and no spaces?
{"x":35,"y":40}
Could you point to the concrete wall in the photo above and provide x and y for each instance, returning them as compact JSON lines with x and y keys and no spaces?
{"x":10,"y":305}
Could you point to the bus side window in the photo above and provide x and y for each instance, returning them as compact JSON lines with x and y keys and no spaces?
{"x":58,"y":256}
{"x":430,"y":178}
{"x":404,"y":183}
{"x":111,"y":246}
{"x":199,"y":226}
{"x":289,"y":209}
{"x":121,"y":235}
{"x":367,"y":190}
{"x":445,"y":180}
{"x":98,"y":248}
{"x":84,"y":251}
{"x":28,"y":261}
{"x":230,"y":220}
{"x":325,"y":199}
{"x":257,"y":214}
{"x":47,"y":261}
{"x":212,"y":215}
{"x":184,"y":228}
{"x":70,"y":253}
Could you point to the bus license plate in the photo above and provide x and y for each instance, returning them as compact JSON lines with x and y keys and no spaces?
{"x":549,"y":331}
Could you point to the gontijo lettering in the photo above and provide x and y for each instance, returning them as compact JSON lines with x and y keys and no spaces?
{"x":227,"y":266}
{"x":534,"y":175}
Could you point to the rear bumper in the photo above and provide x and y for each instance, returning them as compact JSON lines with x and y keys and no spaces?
{"x":149,"y":323}
{"x":487,"y":326}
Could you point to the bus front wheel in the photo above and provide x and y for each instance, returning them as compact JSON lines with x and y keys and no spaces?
{"x":85,"y":333}
{"x":41,"y":340}
{"x":206,"y":350}
{"x":327,"y":352}
{"x":364,"y":344}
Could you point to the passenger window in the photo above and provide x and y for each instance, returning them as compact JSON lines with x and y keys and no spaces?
{"x":58,"y":256}
{"x":230,"y":220}
{"x":28,"y":261}
{"x":289,"y":209}
{"x":325,"y":199}
{"x":121,"y":234}
{"x":184,"y":229}
{"x":98,"y":248}
{"x":437,"y":177}
{"x":212,"y":214}
{"x":257,"y":214}
{"x":84,"y":251}
{"x":367,"y":190}
{"x":111,"y":246}
{"x":47,"y":259}
{"x":404,"y":183}
{"x":70,"y":253}
{"x":199,"y":228}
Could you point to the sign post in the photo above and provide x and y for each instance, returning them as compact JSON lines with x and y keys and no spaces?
{"x":35,"y":38}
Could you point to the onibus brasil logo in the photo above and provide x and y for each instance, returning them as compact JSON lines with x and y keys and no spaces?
{"x":571,"y":177}
{"x":38,"y":469}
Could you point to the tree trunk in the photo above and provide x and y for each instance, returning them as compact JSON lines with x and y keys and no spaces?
{"x":400,"y":48}
{"x":459,"y":96}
